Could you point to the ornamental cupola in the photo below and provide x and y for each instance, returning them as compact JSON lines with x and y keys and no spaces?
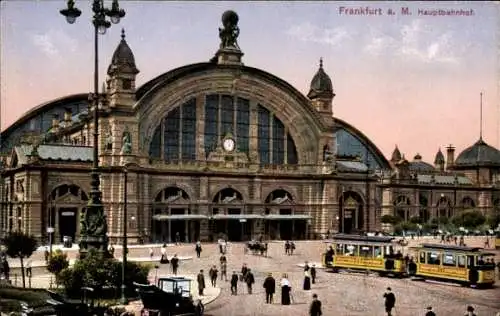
{"x":439,"y":160}
{"x":321,"y":92}
{"x":122,"y":74}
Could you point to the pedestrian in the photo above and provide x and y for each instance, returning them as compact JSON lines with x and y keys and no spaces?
{"x":47,"y":255}
{"x":249,"y":280}
{"x":6,"y":269}
{"x":28,"y":268}
{"x":430,"y":312}
{"x":292,"y":247}
{"x":287,"y":247}
{"x":234,"y":283}
{"x":285,"y":290}
{"x":390,"y":301}
{"x":270,"y":287}
{"x":201,"y":282}
{"x":315,"y":309}
{"x":244,"y":270}
{"x":175,"y":264}
{"x":213,"y":272}
{"x":151,"y":253}
{"x":470,"y":311}
{"x":306,"y":266}
{"x":198,"y":249}
{"x":307,"y":280}
{"x":313,"y":274}
{"x":164,"y":250}
{"x":223,"y":271}
{"x":177,"y":238}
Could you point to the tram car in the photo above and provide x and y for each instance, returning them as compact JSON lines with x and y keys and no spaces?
{"x":364,"y":253}
{"x":468,"y":266}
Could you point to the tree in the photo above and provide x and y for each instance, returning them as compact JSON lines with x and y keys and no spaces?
{"x":493,"y":220}
{"x":20,"y":245}
{"x":390,"y":219}
{"x":469,"y":219}
{"x":57,"y":262}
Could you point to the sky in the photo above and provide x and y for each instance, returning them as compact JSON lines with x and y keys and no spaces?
{"x":411,"y":80}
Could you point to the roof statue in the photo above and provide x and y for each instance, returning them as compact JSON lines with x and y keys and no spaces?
{"x":229,"y":34}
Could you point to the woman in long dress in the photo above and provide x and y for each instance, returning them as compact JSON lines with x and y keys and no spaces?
{"x":285,"y":290}
{"x":307,"y":280}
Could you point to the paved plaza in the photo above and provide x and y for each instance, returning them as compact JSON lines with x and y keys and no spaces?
{"x":342,"y":294}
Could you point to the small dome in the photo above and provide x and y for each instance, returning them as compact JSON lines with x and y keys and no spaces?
{"x":417,"y":157}
{"x":321,"y":84}
{"x":479,"y":154}
{"x":123,"y":58}
{"x":420,"y":166}
{"x":439,"y":158}
{"x":396,"y":155}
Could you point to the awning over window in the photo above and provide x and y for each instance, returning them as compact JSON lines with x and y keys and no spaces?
{"x":237,"y":216}
{"x":276,"y":217}
{"x":164,"y":217}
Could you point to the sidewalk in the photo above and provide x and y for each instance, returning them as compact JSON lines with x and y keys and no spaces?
{"x":16,"y":263}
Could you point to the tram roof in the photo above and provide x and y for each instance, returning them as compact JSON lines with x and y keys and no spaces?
{"x":362,"y":238}
{"x":450,"y":247}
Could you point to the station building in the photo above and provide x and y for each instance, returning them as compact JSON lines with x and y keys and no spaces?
{"x":220,"y":148}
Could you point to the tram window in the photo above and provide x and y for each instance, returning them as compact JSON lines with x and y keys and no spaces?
{"x":350,"y":250}
{"x":422,"y":257}
{"x":449,"y":259}
{"x":365,"y":251}
{"x":470,"y":261}
{"x":377,"y":251}
{"x":433,"y":257}
{"x":461,"y":261}
{"x":339,"y":249}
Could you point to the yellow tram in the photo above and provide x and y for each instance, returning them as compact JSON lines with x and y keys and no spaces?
{"x":468,"y":266}
{"x":355,"y":252}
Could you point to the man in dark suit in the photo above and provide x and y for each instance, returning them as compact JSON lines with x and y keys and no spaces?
{"x":270,"y":286}
{"x":315,"y":309}
{"x":390,"y":301}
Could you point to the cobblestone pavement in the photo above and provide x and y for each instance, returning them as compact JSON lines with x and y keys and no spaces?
{"x":344,"y":294}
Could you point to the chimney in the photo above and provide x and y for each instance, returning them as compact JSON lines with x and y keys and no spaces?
{"x":450,"y":156}
{"x":67,"y":115}
{"x":55,"y":121}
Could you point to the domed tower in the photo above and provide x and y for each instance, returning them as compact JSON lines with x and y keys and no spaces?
{"x":122,"y":73}
{"x":439,"y":160}
{"x":321,"y":92}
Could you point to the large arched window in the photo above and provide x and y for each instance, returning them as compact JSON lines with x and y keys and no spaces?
{"x":468,"y":203}
{"x":402,"y":207}
{"x":444,"y":207}
{"x":175,"y":138}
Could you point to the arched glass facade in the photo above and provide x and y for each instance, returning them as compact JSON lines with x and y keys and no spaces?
{"x":175,"y":138}
{"x":350,"y":145}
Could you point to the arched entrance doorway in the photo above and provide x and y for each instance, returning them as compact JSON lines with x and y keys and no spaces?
{"x":351,"y":213}
{"x":173,"y":218}
{"x":66,"y":203}
{"x":229,"y":220}
{"x":281,"y":220}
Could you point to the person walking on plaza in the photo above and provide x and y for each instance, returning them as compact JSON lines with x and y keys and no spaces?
{"x":244,"y":270}
{"x":315,"y":308}
{"x":292,"y":248}
{"x":287,"y":247}
{"x":313,"y":274}
{"x":177,"y":238}
{"x":6,"y":269}
{"x":249,"y":280}
{"x":285,"y":290}
{"x":201,"y":282}
{"x":390,"y":301}
{"x":198,"y":249}
{"x":234,"y":283}
{"x":307,"y":280}
{"x":430,"y":312}
{"x":28,"y":268}
{"x":270,"y":287}
{"x":470,"y":311}
{"x":151,"y":253}
{"x":175,"y":264}
{"x":213,"y":272}
{"x":223,"y":271}
{"x":164,"y":258}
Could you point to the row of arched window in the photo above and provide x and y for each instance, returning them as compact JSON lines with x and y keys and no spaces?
{"x":175,"y":139}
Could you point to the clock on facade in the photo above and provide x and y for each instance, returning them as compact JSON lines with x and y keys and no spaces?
{"x":228,"y":144}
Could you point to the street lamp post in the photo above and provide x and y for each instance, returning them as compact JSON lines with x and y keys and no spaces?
{"x":93,"y":228}
{"x":124,"y":248}
{"x":50,"y":228}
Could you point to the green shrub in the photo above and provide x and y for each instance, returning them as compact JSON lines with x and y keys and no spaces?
{"x":102,"y":274}
{"x":390,"y":219}
{"x":468,"y":219}
{"x":57,"y":262}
